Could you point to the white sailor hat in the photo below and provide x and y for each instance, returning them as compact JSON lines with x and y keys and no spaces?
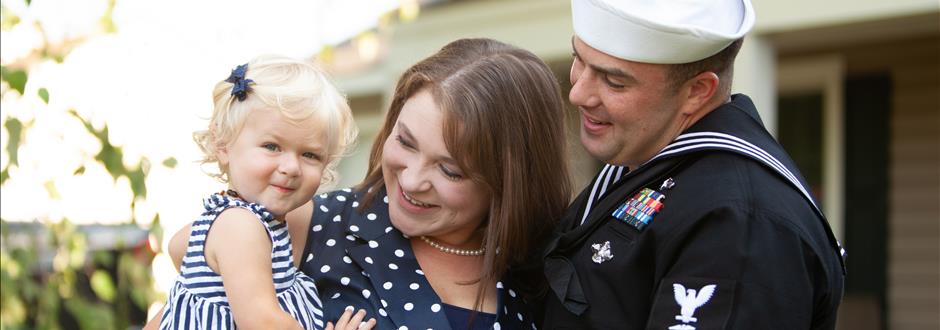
{"x":661,"y":31}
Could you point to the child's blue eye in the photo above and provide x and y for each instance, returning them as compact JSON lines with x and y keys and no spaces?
{"x":311,"y":155}
{"x":271,"y":146}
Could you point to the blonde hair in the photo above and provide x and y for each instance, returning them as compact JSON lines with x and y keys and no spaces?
{"x":299,"y":90}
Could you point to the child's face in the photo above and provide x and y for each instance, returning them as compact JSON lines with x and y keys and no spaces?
{"x":276,"y":162}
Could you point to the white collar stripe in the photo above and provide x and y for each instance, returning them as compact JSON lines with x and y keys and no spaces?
{"x":590,"y":201}
{"x":698,"y":143}
{"x":733,"y":143}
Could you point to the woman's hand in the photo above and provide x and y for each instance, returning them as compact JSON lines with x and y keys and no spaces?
{"x":348,"y":321}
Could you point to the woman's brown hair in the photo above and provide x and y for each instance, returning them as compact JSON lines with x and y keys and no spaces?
{"x":504,"y":123}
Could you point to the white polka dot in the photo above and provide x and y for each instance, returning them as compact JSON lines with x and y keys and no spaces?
{"x":499,"y":285}
{"x":347,"y":190}
{"x":399,"y":253}
{"x":403,"y":328}
{"x":364,"y":273}
{"x":309,"y":257}
{"x":341,"y":198}
{"x":325,"y":268}
{"x":366,"y":294}
{"x":373,"y":244}
{"x":392,"y":266}
{"x":512,"y":293}
{"x":317,"y":228}
{"x":387,"y":285}
{"x":353,"y":228}
{"x":371,"y":216}
{"x":414,"y":286}
{"x":496,"y":326}
{"x":324,"y":209}
{"x":409,"y":306}
{"x":347,"y":260}
{"x":533,"y":326}
{"x":385,"y":199}
{"x":388,"y":229}
{"x":382,"y":312}
{"x":369,"y":259}
{"x":384,"y":304}
{"x":420,"y":272}
{"x":355,"y":204}
{"x":519,"y":316}
{"x":335,"y":295}
{"x":436,"y":308}
{"x":505,"y":310}
{"x":337,"y":218}
{"x":330,"y":242}
{"x":344,"y":280}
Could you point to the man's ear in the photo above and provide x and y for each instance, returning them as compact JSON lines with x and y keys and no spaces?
{"x":698,"y":91}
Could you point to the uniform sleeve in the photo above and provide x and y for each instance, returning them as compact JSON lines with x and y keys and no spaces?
{"x":736,"y":269}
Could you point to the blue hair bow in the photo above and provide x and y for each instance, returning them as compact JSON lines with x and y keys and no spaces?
{"x":241,"y":85}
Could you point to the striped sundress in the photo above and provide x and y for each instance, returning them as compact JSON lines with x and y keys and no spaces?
{"x":198,"y":300}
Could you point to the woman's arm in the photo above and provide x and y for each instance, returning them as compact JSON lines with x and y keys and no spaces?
{"x":239,"y":249}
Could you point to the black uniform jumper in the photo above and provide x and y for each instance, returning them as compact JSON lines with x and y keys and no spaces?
{"x":717,"y":231}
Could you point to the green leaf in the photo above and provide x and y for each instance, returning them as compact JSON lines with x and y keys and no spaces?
{"x":79,"y":171}
{"x":16,"y":78}
{"x":170,"y":162}
{"x":15,"y":129}
{"x":44,"y":95}
{"x":8,"y":19}
{"x":138,"y":184}
{"x":4,"y":175}
{"x":102,"y":285}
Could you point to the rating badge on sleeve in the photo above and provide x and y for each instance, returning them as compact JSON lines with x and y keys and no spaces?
{"x":639,"y":210}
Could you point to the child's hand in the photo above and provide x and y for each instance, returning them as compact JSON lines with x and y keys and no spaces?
{"x":345,"y":323}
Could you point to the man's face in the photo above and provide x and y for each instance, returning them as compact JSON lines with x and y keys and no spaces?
{"x":628,"y":111}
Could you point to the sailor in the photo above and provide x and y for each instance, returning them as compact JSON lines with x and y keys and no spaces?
{"x":700,"y":219}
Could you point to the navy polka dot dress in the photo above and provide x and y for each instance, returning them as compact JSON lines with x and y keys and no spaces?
{"x":359,"y":260}
{"x":198,"y":300}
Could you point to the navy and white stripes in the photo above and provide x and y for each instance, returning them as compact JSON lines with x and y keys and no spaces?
{"x":609,"y":175}
{"x":690,"y":142}
{"x":198,"y":300}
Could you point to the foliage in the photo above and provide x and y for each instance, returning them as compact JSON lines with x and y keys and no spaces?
{"x":51,"y":278}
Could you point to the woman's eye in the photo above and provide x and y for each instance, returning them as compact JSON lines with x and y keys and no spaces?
{"x":271,"y":146}
{"x":454,"y":176}
{"x":403,"y":142}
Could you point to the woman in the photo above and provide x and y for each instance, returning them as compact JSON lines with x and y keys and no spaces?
{"x":465,"y":179}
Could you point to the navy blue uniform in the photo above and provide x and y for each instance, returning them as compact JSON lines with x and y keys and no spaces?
{"x":718,"y":231}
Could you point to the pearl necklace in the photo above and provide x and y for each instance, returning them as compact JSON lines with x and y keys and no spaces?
{"x":460,"y":252}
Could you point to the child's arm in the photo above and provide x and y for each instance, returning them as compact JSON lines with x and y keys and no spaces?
{"x":178,"y":245}
{"x":239,"y":249}
{"x":154,"y":323}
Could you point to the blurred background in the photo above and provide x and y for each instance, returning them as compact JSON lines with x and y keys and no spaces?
{"x":100,"y":97}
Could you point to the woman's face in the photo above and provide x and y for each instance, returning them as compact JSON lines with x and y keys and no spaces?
{"x":428,"y":194}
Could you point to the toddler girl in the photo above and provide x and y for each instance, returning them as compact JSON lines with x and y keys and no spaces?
{"x":277,"y":129}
